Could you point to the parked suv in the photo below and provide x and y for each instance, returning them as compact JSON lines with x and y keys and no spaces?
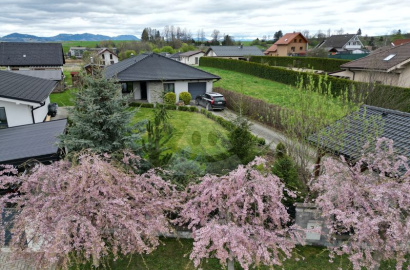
{"x":211,"y":101}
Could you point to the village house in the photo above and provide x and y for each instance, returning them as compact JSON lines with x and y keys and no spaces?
{"x":191,"y":57}
{"x":291,"y":44}
{"x":347,"y":43}
{"x":233,"y":52}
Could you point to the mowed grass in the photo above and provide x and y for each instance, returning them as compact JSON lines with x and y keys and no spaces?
{"x":186,"y":124}
{"x":275,"y":93}
{"x":65,"y":98}
{"x":173,"y":254}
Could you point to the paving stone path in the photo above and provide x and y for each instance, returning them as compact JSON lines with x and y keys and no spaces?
{"x":7,"y":264}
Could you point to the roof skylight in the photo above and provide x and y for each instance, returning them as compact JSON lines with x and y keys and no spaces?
{"x":389,"y":57}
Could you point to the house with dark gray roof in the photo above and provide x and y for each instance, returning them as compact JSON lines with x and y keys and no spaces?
{"x":191,"y":57}
{"x":234,"y":52}
{"x":341,"y":43}
{"x":36,"y":141}
{"x":23,"y":99}
{"x":149,"y":75}
{"x":347,"y":136}
{"x":390,"y":66}
{"x":42,"y":60}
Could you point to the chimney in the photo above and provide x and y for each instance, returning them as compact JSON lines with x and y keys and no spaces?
{"x":241,"y":46}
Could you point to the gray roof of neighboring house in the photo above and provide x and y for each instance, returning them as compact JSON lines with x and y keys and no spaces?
{"x":175,"y":55}
{"x":387,"y":123}
{"x":25,"y":88}
{"x":376,"y":60}
{"x":235,"y":51}
{"x":154,"y":67}
{"x":31,"y":54}
{"x":55,"y":75}
{"x":336,"y":41}
{"x":190,"y":53}
{"x":37,"y":141}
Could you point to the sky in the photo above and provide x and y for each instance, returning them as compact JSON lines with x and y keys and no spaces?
{"x":238,"y":18}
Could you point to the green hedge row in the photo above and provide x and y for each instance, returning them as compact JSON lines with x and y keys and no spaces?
{"x":390,"y":97}
{"x":325,"y":64}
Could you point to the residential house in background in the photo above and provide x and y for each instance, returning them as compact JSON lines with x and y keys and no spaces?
{"x":23,"y":99}
{"x":399,"y":42}
{"x":42,"y":60}
{"x":291,"y":44}
{"x":147,"y":76}
{"x":176,"y":56}
{"x":234,"y":52}
{"x":76,"y":52}
{"x":107,"y":57}
{"x":191,"y":57}
{"x":347,"y":43}
{"x":388,"y":66}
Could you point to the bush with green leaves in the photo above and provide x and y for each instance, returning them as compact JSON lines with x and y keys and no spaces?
{"x":185,"y":97}
{"x":183,"y":108}
{"x":170,"y":98}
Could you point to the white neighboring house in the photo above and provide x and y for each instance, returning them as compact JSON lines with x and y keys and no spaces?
{"x":191,"y":57}
{"x":147,"y":76}
{"x":341,"y":43}
{"x":107,"y":57}
{"x":76,"y":51}
{"x":23,"y":99}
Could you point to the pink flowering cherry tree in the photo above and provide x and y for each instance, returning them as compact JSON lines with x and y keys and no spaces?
{"x":370,"y":201}
{"x":239,"y":216}
{"x":86,"y":211}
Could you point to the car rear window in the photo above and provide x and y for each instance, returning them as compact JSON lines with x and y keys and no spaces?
{"x":219,"y":99}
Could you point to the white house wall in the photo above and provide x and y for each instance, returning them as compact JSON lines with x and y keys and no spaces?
{"x":404,"y":80}
{"x":137,"y":90}
{"x":107,"y":60}
{"x":20,"y":114}
{"x":190,"y":60}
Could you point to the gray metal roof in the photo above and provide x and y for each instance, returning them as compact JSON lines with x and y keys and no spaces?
{"x":356,"y":127}
{"x":21,"y":143}
{"x":31,"y":54}
{"x":235,"y":51}
{"x":54,"y":75}
{"x":190,"y":53}
{"x":154,"y":67}
{"x":25,"y":88}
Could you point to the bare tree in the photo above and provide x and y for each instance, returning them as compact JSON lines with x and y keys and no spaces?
{"x":215,"y":35}
{"x":305,"y":33}
{"x":340,"y":31}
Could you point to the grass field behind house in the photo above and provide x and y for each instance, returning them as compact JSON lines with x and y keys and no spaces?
{"x":271,"y":92}
{"x":65,"y":98}
{"x":88,"y":44}
{"x":185,"y":124}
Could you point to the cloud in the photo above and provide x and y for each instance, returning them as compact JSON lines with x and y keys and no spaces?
{"x":234,"y":17}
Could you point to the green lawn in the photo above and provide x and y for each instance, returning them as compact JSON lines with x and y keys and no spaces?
{"x":273,"y":92}
{"x":174,"y":255}
{"x":186,"y":124}
{"x":65,"y":98}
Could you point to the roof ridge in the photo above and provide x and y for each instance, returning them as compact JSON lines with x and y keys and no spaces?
{"x":387,"y":110}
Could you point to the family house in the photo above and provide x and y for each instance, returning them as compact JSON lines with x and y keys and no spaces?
{"x":77,"y":52}
{"x":191,"y":58}
{"x":149,"y":75}
{"x":23,"y":99}
{"x":107,"y":57}
{"x":42,"y":60}
{"x":342,"y":43}
{"x":290,"y":44}
{"x":234,"y":52}
{"x":389,"y":66}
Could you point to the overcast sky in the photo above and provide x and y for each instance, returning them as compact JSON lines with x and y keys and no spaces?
{"x":239,"y":18}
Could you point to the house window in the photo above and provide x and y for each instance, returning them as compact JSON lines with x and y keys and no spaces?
{"x":112,"y":62}
{"x":196,"y":60}
{"x":3,"y":118}
{"x":110,"y":55}
{"x":102,"y":56}
{"x":292,"y":49}
{"x":169,"y":87}
{"x":295,"y":40}
{"x":300,"y":40}
{"x":301,"y":48}
{"x":103,"y":62}
{"x":127,"y":87}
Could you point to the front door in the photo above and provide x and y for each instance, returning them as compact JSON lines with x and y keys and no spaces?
{"x":143,"y":90}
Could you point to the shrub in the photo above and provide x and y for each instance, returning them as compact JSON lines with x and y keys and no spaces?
{"x":185,"y":97}
{"x":193,"y":109}
{"x":170,"y":98}
{"x":285,"y":168}
{"x":183,"y":108}
{"x":171,"y":107}
{"x":142,"y":105}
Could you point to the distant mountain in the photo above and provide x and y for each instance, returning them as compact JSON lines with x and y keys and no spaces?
{"x":17,"y":37}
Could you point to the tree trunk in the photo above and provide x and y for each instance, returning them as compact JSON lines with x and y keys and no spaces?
{"x":231,"y":265}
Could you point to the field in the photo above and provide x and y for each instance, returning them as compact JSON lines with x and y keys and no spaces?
{"x":185,"y":125}
{"x":89,"y":44}
{"x":273,"y":92}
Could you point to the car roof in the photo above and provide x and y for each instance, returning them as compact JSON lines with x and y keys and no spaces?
{"x":214,"y":94}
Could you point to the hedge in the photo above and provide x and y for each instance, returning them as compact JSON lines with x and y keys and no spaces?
{"x":325,"y":64}
{"x":390,"y":97}
{"x":142,"y":105}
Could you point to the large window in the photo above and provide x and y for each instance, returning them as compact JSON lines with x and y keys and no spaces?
{"x":169,"y":87}
{"x":3,"y":118}
{"x":127,"y":87}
